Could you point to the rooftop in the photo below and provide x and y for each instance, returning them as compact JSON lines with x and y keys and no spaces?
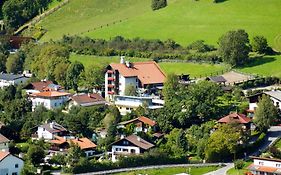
{"x":141,"y":119}
{"x":217,"y":79}
{"x":83,"y":143}
{"x":235,"y":118}
{"x":3,"y":155}
{"x":137,"y":141}
{"x":147,"y":72}
{"x":88,"y":99}
{"x":53,"y":127}
{"x":10,"y":77}
{"x":50,"y":94}
{"x":274,"y":94}
{"x":3,"y":139}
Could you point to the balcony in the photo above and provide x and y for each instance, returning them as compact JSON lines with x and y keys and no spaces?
{"x":110,"y":85}
{"x":110,"y":71}
{"x":111,"y":93}
{"x":110,"y":79}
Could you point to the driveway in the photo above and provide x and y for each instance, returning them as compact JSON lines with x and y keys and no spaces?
{"x":221,"y":171}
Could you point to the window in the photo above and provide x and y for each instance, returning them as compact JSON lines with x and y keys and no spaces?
{"x":16,"y":165}
{"x":125,"y":150}
{"x":14,"y":173}
{"x":125,"y":142}
{"x":55,"y":104}
{"x":127,"y":109}
{"x":261,"y":163}
{"x":118,"y":149}
{"x":133,"y":151}
{"x":278,"y":165}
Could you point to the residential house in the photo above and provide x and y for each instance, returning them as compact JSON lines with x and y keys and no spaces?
{"x":217,"y":79}
{"x":274,"y":95}
{"x":49,"y":99}
{"x":141,"y":124}
{"x":126,"y":104}
{"x":130,"y":145}
{"x":62,"y":144}
{"x":236,"y":118}
{"x":142,"y":75}
{"x":41,"y":86}
{"x":86,"y":100}
{"x":50,"y":130}
{"x":11,"y":79}
{"x":265,"y":166}
{"x":10,"y":164}
{"x":4,"y":143}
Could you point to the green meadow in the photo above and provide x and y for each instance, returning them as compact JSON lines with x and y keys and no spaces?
{"x":182,"y":20}
{"x":194,"y":69}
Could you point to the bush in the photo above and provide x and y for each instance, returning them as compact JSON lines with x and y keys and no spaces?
{"x":239,"y":164}
{"x":158,"y":4}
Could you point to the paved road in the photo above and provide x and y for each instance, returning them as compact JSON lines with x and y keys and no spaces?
{"x":221,"y":171}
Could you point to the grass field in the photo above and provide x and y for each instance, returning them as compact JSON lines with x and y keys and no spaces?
{"x":77,"y":17}
{"x":267,"y":66}
{"x":172,"y":171}
{"x":234,"y":171}
{"x":183,"y":20}
{"x":195,"y":70}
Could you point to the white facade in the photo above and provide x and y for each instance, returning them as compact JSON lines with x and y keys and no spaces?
{"x":43,"y":133}
{"x":267,"y":163}
{"x":5,"y":83}
{"x":49,"y":103}
{"x":253,"y":106}
{"x":276,"y":102}
{"x":4,"y":146}
{"x":123,"y":150}
{"x":11,"y":165}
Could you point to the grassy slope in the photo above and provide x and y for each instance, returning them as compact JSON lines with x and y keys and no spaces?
{"x":78,"y":17}
{"x":188,"y":20}
{"x":171,"y":171}
{"x":234,"y":171}
{"x":268,"y":66}
{"x":195,"y":70}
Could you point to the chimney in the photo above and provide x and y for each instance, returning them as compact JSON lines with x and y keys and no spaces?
{"x":122,"y":136}
{"x":138,"y":138}
{"x":122,"y":59}
{"x":52,"y":124}
{"x":128,"y":64}
{"x":89,"y":95}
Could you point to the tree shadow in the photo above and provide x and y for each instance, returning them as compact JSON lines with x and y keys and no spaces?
{"x":219,"y":1}
{"x":256,"y":61}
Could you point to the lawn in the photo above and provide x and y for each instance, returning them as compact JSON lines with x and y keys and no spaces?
{"x":266,"y":66}
{"x":234,"y":171}
{"x":76,"y":17}
{"x":172,"y":171}
{"x":194,"y":69}
{"x":187,"y":20}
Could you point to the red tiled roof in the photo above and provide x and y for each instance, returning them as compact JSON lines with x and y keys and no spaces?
{"x":3,"y":139}
{"x":84,"y":143}
{"x":147,"y":72}
{"x":139,"y":142}
{"x":143,"y":119}
{"x":264,"y":169}
{"x":235,"y":118}
{"x":40,"y":85}
{"x":3,"y":155}
{"x":88,"y":98}
{"x":50,"y":94}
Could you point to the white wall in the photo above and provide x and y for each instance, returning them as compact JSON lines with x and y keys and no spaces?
{"x":4,"y":146}
{"x":7,"y":165}
{"x":252,"y":106}
{"x":120,"y":150}
{"x":4,"y":83}
{"x":267,"y":163}
{"x":43,"y":133}
{"x":276,"y":102}
{"x":51,"y":103}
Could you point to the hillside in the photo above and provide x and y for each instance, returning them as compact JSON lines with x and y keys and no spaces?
{"x":183,"y":20}
{"x":77,"y":17}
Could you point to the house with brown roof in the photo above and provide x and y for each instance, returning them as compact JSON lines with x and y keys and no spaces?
{"x":62,"y":144}
{"x":140,"y":124}
{"x":4,"y":143}
{"x":131,"y":145}
{"x":41,"y":86}
{"x":138,"y":74}
{"x":236,"y":118}
{"x":10,"y":164}
{"x":265,"y":166}
{"x":50,"y":130}
{"x":49,"y":99}
{"x":86,"y":100}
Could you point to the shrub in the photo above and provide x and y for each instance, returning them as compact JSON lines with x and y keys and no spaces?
{"x":158,"y":4}
{"x":239,"y":164}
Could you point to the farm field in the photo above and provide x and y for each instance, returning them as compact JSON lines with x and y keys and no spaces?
{"x":267,"y":66}
{"x":76,"y":17}
{"x":171,"y":171}
{"x":194,"y":69}
{"x":183,"y":21}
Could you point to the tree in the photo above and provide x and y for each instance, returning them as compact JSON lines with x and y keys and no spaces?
{"x":92,"y":77}
{"x":3,"y":59}
{"x":74,"y":154}
{"x":234,"y":47}
{"x":60,"y":73}
{"x":265,"y":113}
{"x":158,"y":4}
{"x":223,"y":143}
{"x":14,"y":63}
{"x":259,"y":44}
{"x":130,"y":90}
{"x":35,"y":154}
{"x":200,"y":46}
{"x":73,"y":74}
{"x":176,"y":143}
{"x":171,"y":88}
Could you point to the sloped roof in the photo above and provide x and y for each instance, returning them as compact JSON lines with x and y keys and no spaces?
{"x":139,"y":142}
{"x":235,"y":118}
{"x":217,"y":79}
{"x":50,"y":94}
{"x":84,"y":143}
{"x":3,"y":155}
{"x":40,"y":85}
{"x":274,"y":94}
{"x":9,"y":77}
{"x":88,"y":98}
{"x":142,"y":119}
{"x":53,"y":127}
{"x":3,"y":139}
{"x":147,"y":72}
